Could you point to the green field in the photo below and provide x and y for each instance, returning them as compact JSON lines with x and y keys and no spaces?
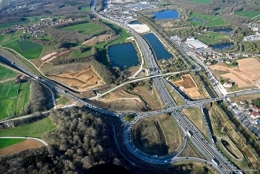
{"x":76,"y":53}
{"x":6,"y":73}
{"x":62,"y":100}
{"x":36,"y":129}
{"x":85,"y":9}
{"x":249,"y":14}
{"x":210,"y":20}
{"x":211,"y":38}
{"x":86,"y":28}
{"x":10,"y":37}
{"x":26,"y":48}
{"x":201,"y":1}
{"x":8,"y":142}
{"x":10,"y":100}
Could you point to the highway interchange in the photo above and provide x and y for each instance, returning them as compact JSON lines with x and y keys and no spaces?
{"x":188,"y":130}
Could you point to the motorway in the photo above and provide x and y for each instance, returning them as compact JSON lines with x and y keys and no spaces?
{"x":209,"y":150}
{"x":188,"y":130}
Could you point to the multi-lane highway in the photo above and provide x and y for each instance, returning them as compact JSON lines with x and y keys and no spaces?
{"x":188,"y":130}
{"x":211,"y":152}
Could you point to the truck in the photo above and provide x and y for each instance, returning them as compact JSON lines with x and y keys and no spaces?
{"x":190,"y":133}
{"x":215,"y":161}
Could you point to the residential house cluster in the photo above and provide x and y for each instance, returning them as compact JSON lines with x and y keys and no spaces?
{"x":251,"y":111}
{"x":34,"y":30}
{"x":256,"y":28}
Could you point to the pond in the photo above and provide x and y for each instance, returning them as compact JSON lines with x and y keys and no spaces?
{"x":135,"y":22}
{"x":198,"y":20}
{"x":224,"y":30}
{"x":160,"y":51}
{"x":123,"y":55}
{"x":222,"y":46}
{"x":166,"y":14}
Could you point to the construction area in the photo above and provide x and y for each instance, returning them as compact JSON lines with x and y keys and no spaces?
{"x":189,"y":87}
{"x":140,"y":28}
{"x":97,"y":39}
{"x":246,"y":75}
{"x":82,"y":80}
{"x":121,"y":100}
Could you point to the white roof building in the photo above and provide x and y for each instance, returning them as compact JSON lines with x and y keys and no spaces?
{"x":195,"y":44}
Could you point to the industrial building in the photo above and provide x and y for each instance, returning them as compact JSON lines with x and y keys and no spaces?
{"x":195,"y":44}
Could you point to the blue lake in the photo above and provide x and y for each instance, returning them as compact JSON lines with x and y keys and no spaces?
{"x":166,"y":14}
{"x":225,"y":30}
{"x":123,"y":55}
{"x":222,"y":46}
{"x":135,"y":22}
{"x":160,"y":51}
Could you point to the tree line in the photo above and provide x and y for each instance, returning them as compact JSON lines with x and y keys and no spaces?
{"x":82,"y":139}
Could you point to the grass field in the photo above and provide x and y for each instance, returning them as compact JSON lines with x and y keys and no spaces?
{"x":10,"y":102}
{"x":6,"y":73}
{"x":8,"y":142}
{"x":10,"y":37}
{"x":195,"y":117}
{"x":36,"y":129}
{"x":201,"y":1}
{"x":211,"y":38}
{"x":26,"y":48}
{"x":210,"y":20}
{"x":248,"y":14}
{"x":76,"y":53}
{"x":158,"y":135}
{"x":86,"y":28}
{"x":23,"y":97}
{"x":174,"y":95}
{"x":189,"y":151}
{"x":62,"y":100}
{"x":85,"y":9}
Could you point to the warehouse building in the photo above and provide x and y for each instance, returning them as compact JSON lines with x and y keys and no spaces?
{"x":195,"y":43}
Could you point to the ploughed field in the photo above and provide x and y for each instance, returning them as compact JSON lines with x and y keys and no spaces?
{"x":21,"y":146}
{"x":189,"y":87}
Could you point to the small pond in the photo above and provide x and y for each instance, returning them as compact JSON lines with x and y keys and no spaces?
{"x":123,"y":55}
{"x":166,"y":14}
{"x":222,"y":46}
{"x":224,"y":30}
{"x":198,"y":20}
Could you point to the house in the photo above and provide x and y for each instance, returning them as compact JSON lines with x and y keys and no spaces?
{"x":256,"y":109}
{"x":255,"y":115}
{"x":248,"y":113}
{"x":227,"y":85}
{"x":228,"y":62}
{"x":208,"y":63}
